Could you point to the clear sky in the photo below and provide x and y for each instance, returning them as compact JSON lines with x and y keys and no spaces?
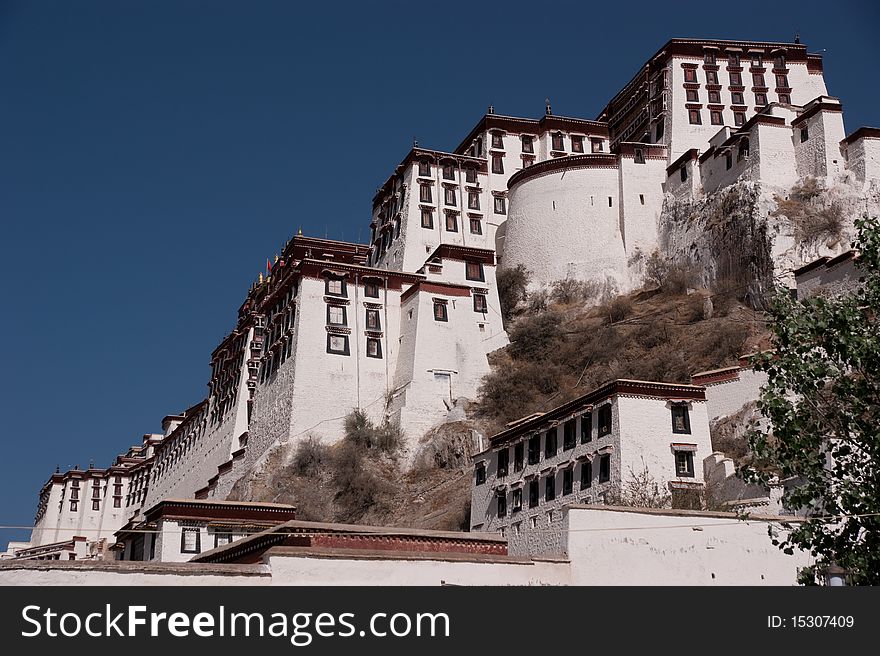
{"x":154,"y":153}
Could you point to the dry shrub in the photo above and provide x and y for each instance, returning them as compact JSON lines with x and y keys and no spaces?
{"x":812,"y":214}
{"x":570,"y":290}
{"x":310,"y":457}
{"x":531,"y":337}
{"x":511,"y":284}
{"x":671,"y":277}
{"x":618,"y":308}
{"x":640,"y":490}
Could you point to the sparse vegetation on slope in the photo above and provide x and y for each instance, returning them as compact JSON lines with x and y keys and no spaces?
{"x":563,"y":348}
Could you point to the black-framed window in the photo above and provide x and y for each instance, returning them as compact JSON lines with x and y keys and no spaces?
{"x":449,"y":196}
{"x":694,"y":117}
{"x":779,"y":61}
{"x":501,"y":500}
{"x":692,"y":95}
{"x":550,"y":488}
{"x":451,"y":222}
{"x":782,"y":81}
{"x":480,"y":303}
{"x":736,"y":79}
{"x":605,"y":468}
{"x":586,"y":427}
{"x":604,"y":420}
{"x":757,"y":59}
{"x":690,"y":75}
{"x":474,"y":271}
{"x":371,"y":289}
{"x":337,"y":315}
{"x":639,"y":157}
{"x":534,"y":449}
{"x":191,"y":539}
{"x":714,"y":96}
{"x":728,"y":160}
{"x":473,"y":200}
{"x":805,"y":134}
{"x":550,"y":446}
{"x":557,"y":141}
{"x":709,"y":57}
{"x":470,"y":174}
{"x":567,"y":480}
{"x":683,"y":173}
{"x":425,"y":194}
{"x":480,"y":473}
{"x":476,"y":226}
{"x":733,"y":59}
{"x":427,"y":219}
{"x":597,"y":145}
{"x":448,"y":171}
{"x":577,"y":144}
{"x":716,"y":118}
{"x":736,"y":97}
{"x":533,"y":494}
{"x":96,"y":504}
{"x":337,"y":344}
{"x":684,"y":464}
{"x":424,"y":167}
{"x":681,"y":422}
{"x":374,"y":321}
{"x":222,"y":538}
{"x":785,"y":98}
{"x":497,"y":140}
{"x":335,"y":287}
{"x":568,"y":434}
{"x":500,"y":205}
{"x":440,"y":313}
{"x":586,"y":474}
{"x":516,"y":499}
{"x":503,"y":462}
{"x":761,"y":99}
{"x":518,"y":453}
{"x":374,"y":347}
{"x":497,"y":164}
{"x":711,"y":77}
{"x":528,"y":143}
{"x":758,"y":80}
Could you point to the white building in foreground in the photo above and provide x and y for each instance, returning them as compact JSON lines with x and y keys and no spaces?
{"x":587,"y":451}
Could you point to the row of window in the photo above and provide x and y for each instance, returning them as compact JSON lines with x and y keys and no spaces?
{"x":680,"y":425}
{"x":734,"y":59}
{"x":550,"y":492}
{"x":735,"y":79}
{"x":736,"y":97}
{"x":557,"y":143}
{"x":447,"y":171}
{"x":476,"y":224}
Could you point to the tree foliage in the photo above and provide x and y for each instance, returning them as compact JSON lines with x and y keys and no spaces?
{"x":822,"y":400}
{"x":511,"y":284}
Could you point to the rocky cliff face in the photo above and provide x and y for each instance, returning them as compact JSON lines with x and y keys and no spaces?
{"x":747,"y":236}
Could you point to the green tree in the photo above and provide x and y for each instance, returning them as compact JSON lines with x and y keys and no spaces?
{"x":822,"y":400}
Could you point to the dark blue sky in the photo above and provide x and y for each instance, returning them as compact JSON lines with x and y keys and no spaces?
{"x":154,"y":153}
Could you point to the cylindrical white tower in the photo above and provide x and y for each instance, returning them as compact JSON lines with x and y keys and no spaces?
{"x":564,"y":221}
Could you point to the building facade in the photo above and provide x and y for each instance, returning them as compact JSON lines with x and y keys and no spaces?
{"x":591,"y":450}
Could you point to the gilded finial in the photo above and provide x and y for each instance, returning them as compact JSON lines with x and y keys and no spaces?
{"x":261,"y":277}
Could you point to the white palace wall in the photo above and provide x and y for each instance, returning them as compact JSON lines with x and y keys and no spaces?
{"x":566,"y":224}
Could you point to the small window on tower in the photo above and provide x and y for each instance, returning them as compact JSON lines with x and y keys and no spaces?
{"x":449,"y":196}
{"x":424,"y":168}
{"x":497,"y":140}
{"x":694,"y":116}
{"x":577,"y":144}
{"x":716,"y":117}
{"x":680,"y":420}
{"x":337,"y":344}
{"x":497,"y":164}
{"x":451,"y":222}
{"x":692,"y":95}
{"x":528,"y":144}
{"x":739,"y":118}
{"x":470,"y":174}
{"x":440,"y":313}
{"x":373,"y":322}
{"x":448,"y":171}
{"x":374,"y":347}
{"x":371,"y":290}
{"x":480,"y":304}
{"x":558,"y":141}
{"x":690,"y":75}
{"x":805,"y":134}
{"x":476,"y":227}
{"x":500,"y":205}
{"x":427,"y":219}
{"x":639,"y":157}
{"x":473,"y":200}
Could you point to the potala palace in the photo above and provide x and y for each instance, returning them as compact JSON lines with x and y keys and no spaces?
{"x":402,"y":327}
